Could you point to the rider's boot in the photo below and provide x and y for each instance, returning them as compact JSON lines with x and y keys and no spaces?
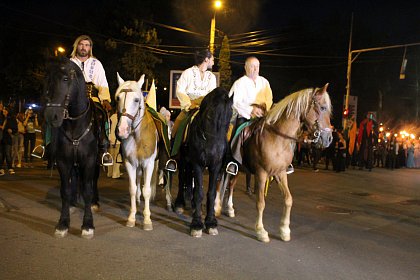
{"x":105,"y":158}
{"x":290,"y":169}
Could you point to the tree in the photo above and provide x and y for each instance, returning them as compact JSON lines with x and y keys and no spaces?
{"x":224,"y":64}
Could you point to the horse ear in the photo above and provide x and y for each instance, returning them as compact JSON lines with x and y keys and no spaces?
{"x":324,"y":88}
{"x":141,"y":81}
{"x":120,"y":80}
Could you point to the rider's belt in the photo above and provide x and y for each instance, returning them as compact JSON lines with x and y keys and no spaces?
{"x":91,"y":91}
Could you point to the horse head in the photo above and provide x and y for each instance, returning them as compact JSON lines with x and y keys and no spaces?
{"x":317,"y":119}
{"x":65,"y":85}
{"x":130,"y":106}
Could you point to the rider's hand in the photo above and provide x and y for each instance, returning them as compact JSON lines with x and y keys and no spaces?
{"x":106,"y":105}
{"x":257,"y":112}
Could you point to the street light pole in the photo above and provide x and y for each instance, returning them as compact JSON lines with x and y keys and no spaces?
{"x":217,"y":5}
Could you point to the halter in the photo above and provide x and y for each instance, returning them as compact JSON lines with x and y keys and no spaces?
{"x":125,"y":114}
{"x":65,"y":104}
{"x":318,"y":130}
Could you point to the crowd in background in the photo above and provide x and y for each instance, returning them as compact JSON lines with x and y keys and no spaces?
{"x":363,"y":147}
{"x":17,"y":138}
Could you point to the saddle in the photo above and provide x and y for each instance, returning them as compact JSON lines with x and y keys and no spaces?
{"x":161,"y":127}
{"x":182,"y":133}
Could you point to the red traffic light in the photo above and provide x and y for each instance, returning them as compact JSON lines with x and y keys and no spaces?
{"x":345,"y":112}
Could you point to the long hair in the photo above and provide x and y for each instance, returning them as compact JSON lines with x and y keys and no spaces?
{"x":76,"y":43}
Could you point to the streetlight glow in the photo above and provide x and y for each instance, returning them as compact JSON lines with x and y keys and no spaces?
{"x":217,"y":4}
{"x":61,"y":49}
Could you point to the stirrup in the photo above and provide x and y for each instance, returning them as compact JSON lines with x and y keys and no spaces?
{"x":290,"y":169}
{"x":119,"y":158}
{"x":232,"y":168}
{"x":38,"y":151}
{"x":171,"y":165}
{"x":108,"y":163}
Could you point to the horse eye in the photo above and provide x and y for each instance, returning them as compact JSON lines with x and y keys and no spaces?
{"x":323,"y":108}
{"x":136,"y":99}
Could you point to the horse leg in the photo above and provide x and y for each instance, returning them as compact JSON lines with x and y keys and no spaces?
{"x":287,"y":207}
{"x":262,"y":234}
{"x":87,"y":192}
{"x":168,"y":187}
{"x":211,"y":222}
{"x":63,"y":224}
{"x":180,"y":199}
{"x":230,"y":210}
{"x":147,"y":192}
{"x":95,"y":198}
{"x":196,"y":227}
{"x":132,"y":175}
{"x":248,"y":183}
{"x":217,"y":201}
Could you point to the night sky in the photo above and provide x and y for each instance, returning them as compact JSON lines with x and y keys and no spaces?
{"x":302,"y":43}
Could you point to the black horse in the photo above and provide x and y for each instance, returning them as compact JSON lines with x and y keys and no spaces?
{"x":206,"y":146}
{"x":74,"y":143}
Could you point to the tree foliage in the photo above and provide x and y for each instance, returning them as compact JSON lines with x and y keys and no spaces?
{"x":224,"y":64}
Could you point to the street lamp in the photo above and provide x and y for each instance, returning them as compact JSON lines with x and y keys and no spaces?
{"x":217,"y":6}
{"x":60,"y":50}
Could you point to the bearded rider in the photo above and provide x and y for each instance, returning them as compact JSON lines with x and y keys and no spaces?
{"x":97,"y":89}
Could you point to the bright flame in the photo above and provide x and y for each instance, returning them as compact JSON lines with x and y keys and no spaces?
{"x":412,"y":136}
{"x":388,"y":134}
{"x":381,"y":129}
{"x":61,"y":49}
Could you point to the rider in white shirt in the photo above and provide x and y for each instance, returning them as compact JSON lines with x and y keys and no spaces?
{"x":96,"y":87}
{"x":252,"y":97}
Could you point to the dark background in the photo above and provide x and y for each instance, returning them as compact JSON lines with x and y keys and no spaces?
{"x":299,"y":43}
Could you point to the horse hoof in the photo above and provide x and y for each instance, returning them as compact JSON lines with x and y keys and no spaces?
{"x":263,"y":236}
{"x":95,"y":208}
{"x":196,"y":232}
{"x":231,"y":213}
{"x":213,"y":231}
{"x":217,"y":213}
{"x":88,"y":233}
{"x":179,"y":210}
{"x":61,"y":233}
{"x":285,"y":236}
{"x":130,"y":223}
{"x":148,"y":227}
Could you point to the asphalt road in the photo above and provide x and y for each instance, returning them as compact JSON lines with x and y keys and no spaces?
{"x":352,"y":225}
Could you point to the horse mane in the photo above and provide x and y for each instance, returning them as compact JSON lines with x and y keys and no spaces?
{"x":294,"y":105}
{"x":214,"y":110}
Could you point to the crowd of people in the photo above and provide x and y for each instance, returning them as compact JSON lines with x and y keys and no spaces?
{"x":17,"y":138}
{"x":361,"y":147}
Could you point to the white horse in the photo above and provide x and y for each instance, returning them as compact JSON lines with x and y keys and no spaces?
{"x":139,"y":141}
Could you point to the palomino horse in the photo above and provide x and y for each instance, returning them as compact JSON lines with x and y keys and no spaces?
{"x":269,"y":150}
{"x":73,"y":143}
{"x":205,"y":147}
{"x":139,"y":141}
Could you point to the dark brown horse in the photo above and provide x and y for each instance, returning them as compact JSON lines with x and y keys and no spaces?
{"x":269,"y":150}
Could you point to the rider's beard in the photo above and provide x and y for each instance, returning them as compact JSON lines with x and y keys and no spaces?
{"x":82,"y":53}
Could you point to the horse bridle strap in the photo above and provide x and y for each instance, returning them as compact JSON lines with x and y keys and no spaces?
{"x":124,"y":111}
{"x":76,"y":141}
{"x":279,"y":133}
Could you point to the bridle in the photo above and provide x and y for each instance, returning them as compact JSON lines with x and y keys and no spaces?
{"x":65,"y":103}
{"x":131,"y":117}
{"x":318,"y":108}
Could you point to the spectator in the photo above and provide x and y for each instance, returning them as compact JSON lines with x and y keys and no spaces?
{"x":9,"y":128}
{"x":30,"y":123}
